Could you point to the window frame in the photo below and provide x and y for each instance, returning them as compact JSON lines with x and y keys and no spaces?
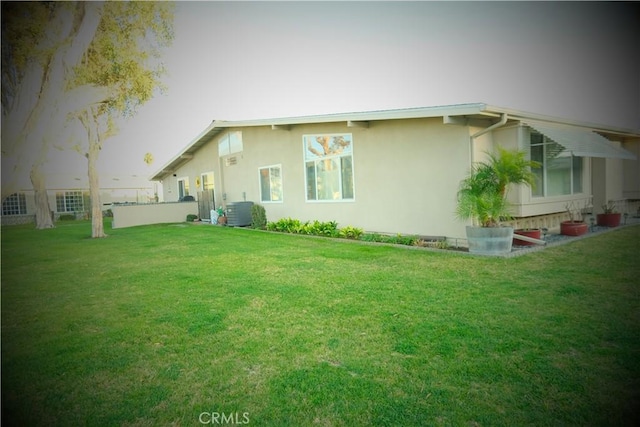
{"x":338,"y":158}
{"x":68,"y":201}
{"x":573,"y":170}
{"x":269,"y":167}
{"x":230,"y":143}
{"x":15,"y":204}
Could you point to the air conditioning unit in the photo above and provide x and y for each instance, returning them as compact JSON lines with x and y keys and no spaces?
{"x":239,"y":214}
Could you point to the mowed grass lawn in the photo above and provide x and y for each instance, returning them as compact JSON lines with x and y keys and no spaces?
{"x":183,"y":325}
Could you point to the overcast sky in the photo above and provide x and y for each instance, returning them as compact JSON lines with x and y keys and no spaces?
{"x":247,"y":60}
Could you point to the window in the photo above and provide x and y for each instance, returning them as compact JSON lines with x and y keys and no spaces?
{"x":183,"y":187}
{"x":561,"y":172}
{"x":15,"y":204}
{"x":230,"y":143}
{"x":329,"y":166}
{"x":206,"y":181}
{"x":271,"y":183}
{"x":69,"y":201}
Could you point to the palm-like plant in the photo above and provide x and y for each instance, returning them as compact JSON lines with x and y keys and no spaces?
{"x":482,"y":195}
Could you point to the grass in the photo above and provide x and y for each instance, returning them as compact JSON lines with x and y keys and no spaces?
{"x":157,"y":325}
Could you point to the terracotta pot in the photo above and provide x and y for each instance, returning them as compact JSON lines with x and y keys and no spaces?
{"x":536,"y":233}
{"x":573,"y":228}
{"x":222,"y":220}
{"x":608,"y":219}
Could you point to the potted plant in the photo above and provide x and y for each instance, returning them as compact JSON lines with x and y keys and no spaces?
{"x":609,"y":218}
{"x":482,"y":197}
{"x":575,"y":226}
{"x":536,"y":233}
{"x":222,"y":218}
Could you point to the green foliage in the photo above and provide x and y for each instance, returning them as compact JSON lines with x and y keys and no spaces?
{"x":482,"y":195}
{"x":23,"y":26}
{"x":395,"y":239}
{"x":191,"y":217}
{"x":258,"y":217}
{"x":350,"y":232}
{"x":295,"y":226}
{"x":125,"y":53}
{"x":318,"y":228}
{"x":67,"y":217}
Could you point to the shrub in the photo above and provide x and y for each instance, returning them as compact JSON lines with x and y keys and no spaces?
{"x":295,"y":226}
{"x":350,"y":232}
{"x":67,"y":217}
{"x":191,"y":217}
{"x":258,"y":217}
{"x":318,"y":228}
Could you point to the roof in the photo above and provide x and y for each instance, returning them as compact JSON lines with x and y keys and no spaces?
{"x":458,"y":113}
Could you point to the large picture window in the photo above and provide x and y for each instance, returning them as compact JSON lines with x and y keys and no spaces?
{"x":329,"y":166}
{"x":15,"y":204}
{"x":271,"y":183}
{"x":561,"y":172}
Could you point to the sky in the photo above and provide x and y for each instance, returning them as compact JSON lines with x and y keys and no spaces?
{"x":257,"y":60}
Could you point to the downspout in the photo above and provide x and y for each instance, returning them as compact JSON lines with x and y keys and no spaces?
{"x":502,"y":122}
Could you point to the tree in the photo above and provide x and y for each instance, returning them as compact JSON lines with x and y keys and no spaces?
{"x":41,"y":43}
{"x":84,"y":60}
{"x":123,"y":59}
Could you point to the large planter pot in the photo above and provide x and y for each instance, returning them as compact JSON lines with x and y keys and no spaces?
{"x":608,"y":219}
{"x":573,"y":228}
{"x":536,"y":233}
{"x":489,"y":240}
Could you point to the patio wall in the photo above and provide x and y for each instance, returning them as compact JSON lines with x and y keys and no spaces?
{"x":155,"y":213}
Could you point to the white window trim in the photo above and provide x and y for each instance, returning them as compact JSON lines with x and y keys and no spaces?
{"x":305,"y":160}
{"x":279,"y":166}
{"x":545,"y":178}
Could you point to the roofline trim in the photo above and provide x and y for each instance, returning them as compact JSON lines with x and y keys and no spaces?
{"x":487,"y":110}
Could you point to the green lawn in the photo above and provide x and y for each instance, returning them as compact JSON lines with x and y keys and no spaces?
{"x":165,"y":325}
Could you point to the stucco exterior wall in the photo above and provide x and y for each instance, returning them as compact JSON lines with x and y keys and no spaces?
{"x":157,"y":213}
{"x":406,"y":175}
{"x":204,"y":160}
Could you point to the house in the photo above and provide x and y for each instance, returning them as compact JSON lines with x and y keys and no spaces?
{"x":398,"y":171}
{"x":69,"y":194}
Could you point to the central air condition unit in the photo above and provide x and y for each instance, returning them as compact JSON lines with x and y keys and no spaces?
{"x":239,"y":214}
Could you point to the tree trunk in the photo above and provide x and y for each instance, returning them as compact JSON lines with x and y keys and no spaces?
{"x":43,"y":212}
{"x":97,"y":224}
{"x":37,"y":114}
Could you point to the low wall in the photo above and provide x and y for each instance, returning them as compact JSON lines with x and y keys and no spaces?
{"x":18,"y":219}
{"x":154,"y":213}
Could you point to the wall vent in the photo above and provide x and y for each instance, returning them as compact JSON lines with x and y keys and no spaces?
{"x":230,"y":161}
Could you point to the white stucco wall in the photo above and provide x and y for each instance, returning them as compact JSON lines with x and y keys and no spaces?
{"x":157,"y":213}
{"x":407,"y":174}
